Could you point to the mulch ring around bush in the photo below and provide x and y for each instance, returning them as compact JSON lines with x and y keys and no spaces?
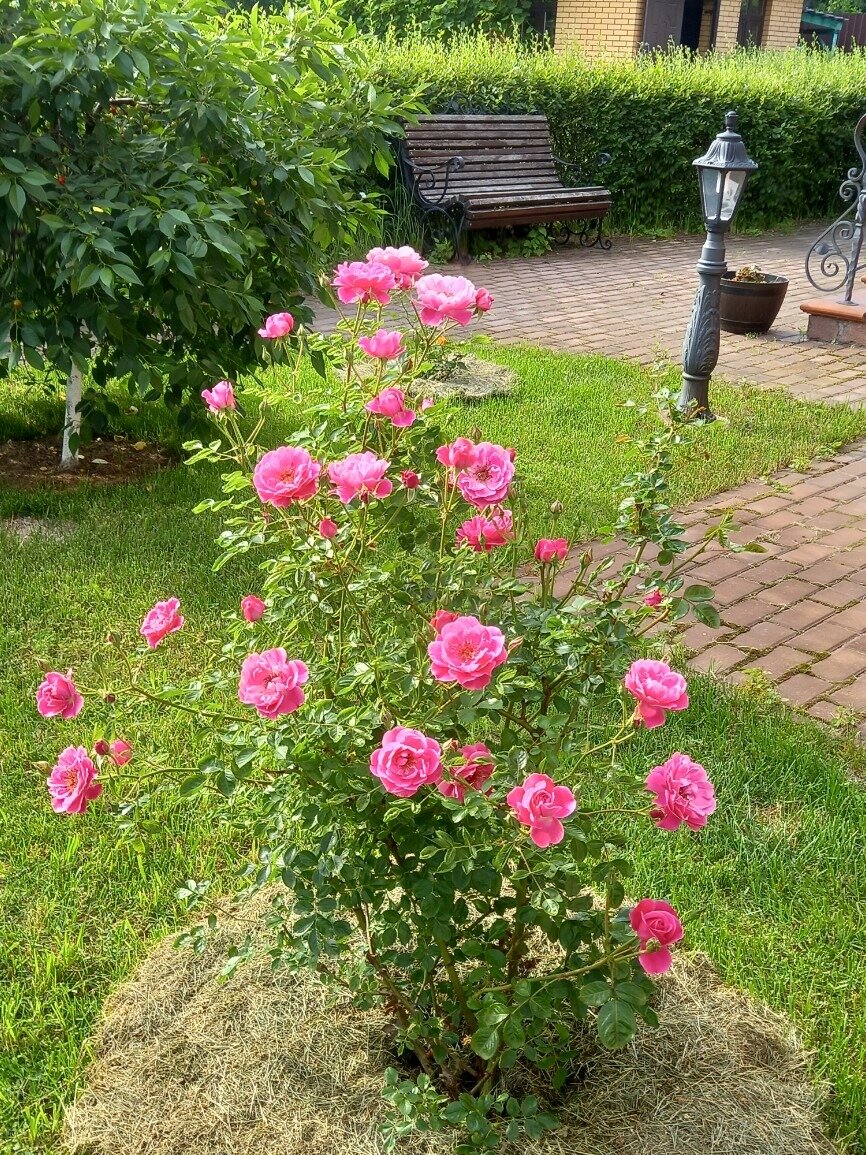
{"x":36,"y":464}
{"x":272,"y":1063}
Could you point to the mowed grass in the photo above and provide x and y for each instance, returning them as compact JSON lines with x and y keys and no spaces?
{"x":775,"y":887}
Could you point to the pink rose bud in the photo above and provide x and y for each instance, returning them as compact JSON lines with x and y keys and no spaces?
{"x":657,"y":927}
{"x":164,"y":619}
{"x":252,"y":608}
{"x":71,"y":783}
{"x":426,"y":404}
{"x":657,"y":688}
{"x":110,"y":699}
{"x":276,"y":326}
{"x":328,"y":528}
{"x":101,"y":748}
{"x":410,"y":479}
{"x":121,"y":751}
{"x":391,"y":403}
{"x":442,"y":618}
{"x":549,"y":549}
{"x":653,"y":599}
{"x":404,"y":263}
{"x":222,"y":396}
{"x":385,"y":345}
{"x":467,"y":652}
{"x":483,"y":300}
{"x":541,"y":805}
{"x":271,"y":682}
{"x":56,"y":696}
{"x":406,"y":761}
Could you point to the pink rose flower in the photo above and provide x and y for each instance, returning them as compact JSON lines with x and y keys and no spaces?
{"x":272,"y":683}
{"x":286,"y":475}
{"x":487,"y":480}
{"x":485,"y":533}
{"x":466,"y":652}
{"x":483,"y":300}
{"x":328,"y":528}
{"x":442,"y":618}
{"x":683,"y":793}
{"x":470,"y":773}
{"x":540,"y":804}
{"x":657,"y":688}
{"x":548,"y":549}
{"x":391,"y":403}
{"x":406,"y":761}
{"x":276,"y":326}
{"x":252,"y":608}
{"x":222,"y":396}
{"x":360,"y":475}
{"x":364,"y":281}
{"x":71,"y":783}
{"x":56,"y":696}
{"x":385,"y":345}
{"x":410,"y":479}
{"x":160,"y":621}
{"x":404,"y":263}
{"x":653,"y":599}
{"x":120,"y":751}
{"x":460,"y":454}
{"x":657,"y":927}
{"x":440,"y":299}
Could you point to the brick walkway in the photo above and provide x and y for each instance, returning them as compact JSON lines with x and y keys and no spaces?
{"x":638,"y":297}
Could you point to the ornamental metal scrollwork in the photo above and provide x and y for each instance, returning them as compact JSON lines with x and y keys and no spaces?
{"x":834,"y":260}
{"x":702,"y":339}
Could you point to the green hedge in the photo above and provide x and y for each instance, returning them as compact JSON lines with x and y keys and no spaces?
{"x":655,"y":115}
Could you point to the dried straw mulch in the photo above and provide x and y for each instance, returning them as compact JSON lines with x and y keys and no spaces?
{"x":269,"y":1064}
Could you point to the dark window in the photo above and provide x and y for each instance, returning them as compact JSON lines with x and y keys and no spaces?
{"x":751,"y":29}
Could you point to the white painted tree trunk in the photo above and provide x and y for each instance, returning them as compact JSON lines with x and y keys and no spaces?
{"x":72,"y":421}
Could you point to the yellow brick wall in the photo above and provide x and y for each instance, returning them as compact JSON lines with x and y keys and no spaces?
{"x":729,"y":22}
{"x":782,"y":23}
{"x":705,"y":38}
{"x":613,"y":28}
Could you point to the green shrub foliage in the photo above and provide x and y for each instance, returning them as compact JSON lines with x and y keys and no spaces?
{"x":655,"y":115}
{"x":444,"y":16}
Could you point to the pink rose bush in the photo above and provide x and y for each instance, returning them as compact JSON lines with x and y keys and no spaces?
{"x":415,"y":747}
{"x":657,"y":689}
{"x":57,"y":697}
{"x":161,"y":620}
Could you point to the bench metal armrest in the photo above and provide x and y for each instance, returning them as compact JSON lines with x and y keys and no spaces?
{"x":602,"y":159}
{"x":429,"y":182}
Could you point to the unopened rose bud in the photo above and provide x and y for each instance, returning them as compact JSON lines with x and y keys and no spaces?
{"x":587,"y":558}
{"x":476,"y":434}
{"x":110,"y":699}
{"x":556,"y":507}
{"x":101,"y":747}
{"x":112,"y":639}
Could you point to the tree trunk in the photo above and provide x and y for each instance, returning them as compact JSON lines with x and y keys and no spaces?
{"x":72,"y":420}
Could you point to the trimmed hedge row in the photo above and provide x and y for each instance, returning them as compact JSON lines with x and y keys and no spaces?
{"x":797,"y":112}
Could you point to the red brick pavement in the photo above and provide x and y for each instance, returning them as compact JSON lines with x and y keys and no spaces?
{"x":798,"y":610}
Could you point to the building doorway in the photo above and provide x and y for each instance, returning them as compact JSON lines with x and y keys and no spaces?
{"x":669,"y":22}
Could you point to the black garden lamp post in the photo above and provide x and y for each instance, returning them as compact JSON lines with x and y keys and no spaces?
{"x":723,"y":171}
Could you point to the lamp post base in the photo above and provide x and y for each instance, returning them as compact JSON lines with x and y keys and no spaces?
{"x":694,"y":399}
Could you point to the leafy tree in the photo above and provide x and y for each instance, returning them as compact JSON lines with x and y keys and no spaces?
{"x":166,"y":174}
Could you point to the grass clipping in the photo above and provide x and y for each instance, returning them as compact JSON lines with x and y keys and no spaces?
{"x":272,"y":1063}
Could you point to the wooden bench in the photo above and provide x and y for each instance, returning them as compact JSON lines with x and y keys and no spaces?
{"x":478,"y":172}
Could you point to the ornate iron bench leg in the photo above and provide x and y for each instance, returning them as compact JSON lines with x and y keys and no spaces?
{"x":592,"y":236}
{"x":458,"y":225}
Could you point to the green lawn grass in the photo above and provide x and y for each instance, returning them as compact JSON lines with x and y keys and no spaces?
{"x":775,"y":885}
